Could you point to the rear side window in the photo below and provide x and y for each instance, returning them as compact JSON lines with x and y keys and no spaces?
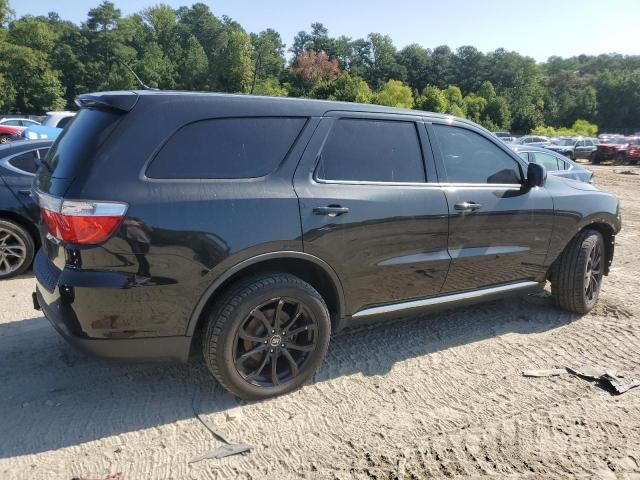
{"x":226,"y":148}
{"x":549,"y":161}
{"x":372,"y":151}
{"x":471,"y":158}
{"x":78,"y":143}
{"x":27,"y":161}
{"x":63,"y":122}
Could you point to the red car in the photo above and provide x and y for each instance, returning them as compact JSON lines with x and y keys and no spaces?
{"x":614,"y":148}
{"x":6,"y":132}
{"x":633,"y":152}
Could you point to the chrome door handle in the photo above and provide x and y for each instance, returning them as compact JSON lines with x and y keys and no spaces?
{"x":331,"y":210}
{"x":467,"y":206}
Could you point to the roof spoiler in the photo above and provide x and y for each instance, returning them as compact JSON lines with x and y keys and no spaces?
{"x":118,"y":101}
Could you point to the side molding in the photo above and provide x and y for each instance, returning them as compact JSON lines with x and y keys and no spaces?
{"x":195,"y":315}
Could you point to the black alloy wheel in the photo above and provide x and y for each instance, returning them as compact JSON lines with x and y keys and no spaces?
{"x":274,"y":342}
{"x":266,"y":335}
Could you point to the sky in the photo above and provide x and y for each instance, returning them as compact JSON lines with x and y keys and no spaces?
{"x":538,"y":29}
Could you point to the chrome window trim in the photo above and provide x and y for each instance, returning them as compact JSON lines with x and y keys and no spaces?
{"x":455,"y":297}
{"x":441,"y":185}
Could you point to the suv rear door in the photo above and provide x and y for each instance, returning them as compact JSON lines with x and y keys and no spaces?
{"x":368,"y":209}
{"x":499,"y":231}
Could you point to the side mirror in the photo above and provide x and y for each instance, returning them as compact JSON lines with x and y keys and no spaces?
{"x":536,"y":175}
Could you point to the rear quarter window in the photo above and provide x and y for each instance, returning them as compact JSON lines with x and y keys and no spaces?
{"x":78,"y":142}
{"x":226,"y":148}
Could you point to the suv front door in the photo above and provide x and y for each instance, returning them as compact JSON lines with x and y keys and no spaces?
{"x":368,"y":210}
{"x":499,"y":231}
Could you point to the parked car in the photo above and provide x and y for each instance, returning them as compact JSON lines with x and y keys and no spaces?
{"x":614,"y":148}
{"x":272,"y":222}
{"x":574,"y":148}
{"x":7,"y":132}
{"x":633,"y":151}
{"x":555,"y":163}
{"x":19,"y":214}
{"x":51,"y":127}
{"x":534,"y":140}
{"x":506,"y":137}
{"x":57,"y":119}
{"x":18,"y":122}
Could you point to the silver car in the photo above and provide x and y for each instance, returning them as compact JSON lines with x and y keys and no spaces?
{"x":555,"y":163}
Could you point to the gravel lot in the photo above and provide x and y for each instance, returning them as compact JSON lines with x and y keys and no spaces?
{"x":436,"y":397}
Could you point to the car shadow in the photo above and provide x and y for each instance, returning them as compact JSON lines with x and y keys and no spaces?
{"x":54,"y":397}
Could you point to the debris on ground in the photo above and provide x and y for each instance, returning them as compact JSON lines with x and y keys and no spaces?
{"x":113,"y":476}
{"x":226,"y":450}
{"x":610,"y":380}
{"x":553,"y":372}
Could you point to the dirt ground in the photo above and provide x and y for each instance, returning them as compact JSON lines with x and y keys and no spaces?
{"x":441,"y":396}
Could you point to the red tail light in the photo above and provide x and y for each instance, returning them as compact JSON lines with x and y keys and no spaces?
{"x":82,"y":222}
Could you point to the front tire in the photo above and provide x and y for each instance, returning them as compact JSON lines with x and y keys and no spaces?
{"x":266,"y":336}
{"x":16,"y":249}
{"x":578,"y":273}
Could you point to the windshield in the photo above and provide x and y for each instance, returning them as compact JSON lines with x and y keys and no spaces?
{"x":565,"y":142}
{"x":618,"y":141}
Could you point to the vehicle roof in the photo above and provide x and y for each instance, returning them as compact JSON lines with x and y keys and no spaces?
{"x":22,"y":146}
{"x":286,"y":105}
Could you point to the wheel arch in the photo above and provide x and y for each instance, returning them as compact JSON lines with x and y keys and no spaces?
{"x":608,"y":232}
{"x":309,"y":268}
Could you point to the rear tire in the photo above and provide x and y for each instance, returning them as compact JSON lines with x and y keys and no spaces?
{"x":281,"y":319}
{"x":16,"y":249}
{"x":578,"y":272}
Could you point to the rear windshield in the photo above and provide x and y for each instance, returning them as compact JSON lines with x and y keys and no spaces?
{"x":79,"y":140}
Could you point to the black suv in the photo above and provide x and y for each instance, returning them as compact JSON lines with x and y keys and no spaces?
{"x":272,"y":222}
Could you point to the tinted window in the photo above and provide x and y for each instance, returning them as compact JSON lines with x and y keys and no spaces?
{"x":26,"y":161}
{"x":226,"y":148}
{"x":78,"y":143}
{"x":549,"y":161}
{"x":372,"y":151}
{"x":471,"y":158}
{"x":63,"y":122}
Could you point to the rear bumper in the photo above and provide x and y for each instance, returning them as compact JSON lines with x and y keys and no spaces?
{"x":156,"y":348}
{"x":59,"y":303}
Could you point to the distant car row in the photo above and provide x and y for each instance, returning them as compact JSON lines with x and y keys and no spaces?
{"x":24,"y":128}
{"x":618,"y":148}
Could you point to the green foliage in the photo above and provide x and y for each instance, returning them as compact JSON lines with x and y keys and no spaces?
{"x":432,"y":99}
{"x":394,"y":94}
{"x":579,"y":127}
{"x":351,"y":89}
{"x":46,"y":61}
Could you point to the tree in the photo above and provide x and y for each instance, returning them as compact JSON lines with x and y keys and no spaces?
{"x":416,"y":60}
{"x":268,"y":56}
{"x":432,"y":99}
{"x":234,"y":64}
{"x":496,"y":114}
{"x":381,"y":63}
{"x":455,"y":102}
{"x":34,"y":86}
{"x":351,"y":89}
{"x":474,"y":107}
{"x":311,"y":68}
{"x":394,"y":94}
